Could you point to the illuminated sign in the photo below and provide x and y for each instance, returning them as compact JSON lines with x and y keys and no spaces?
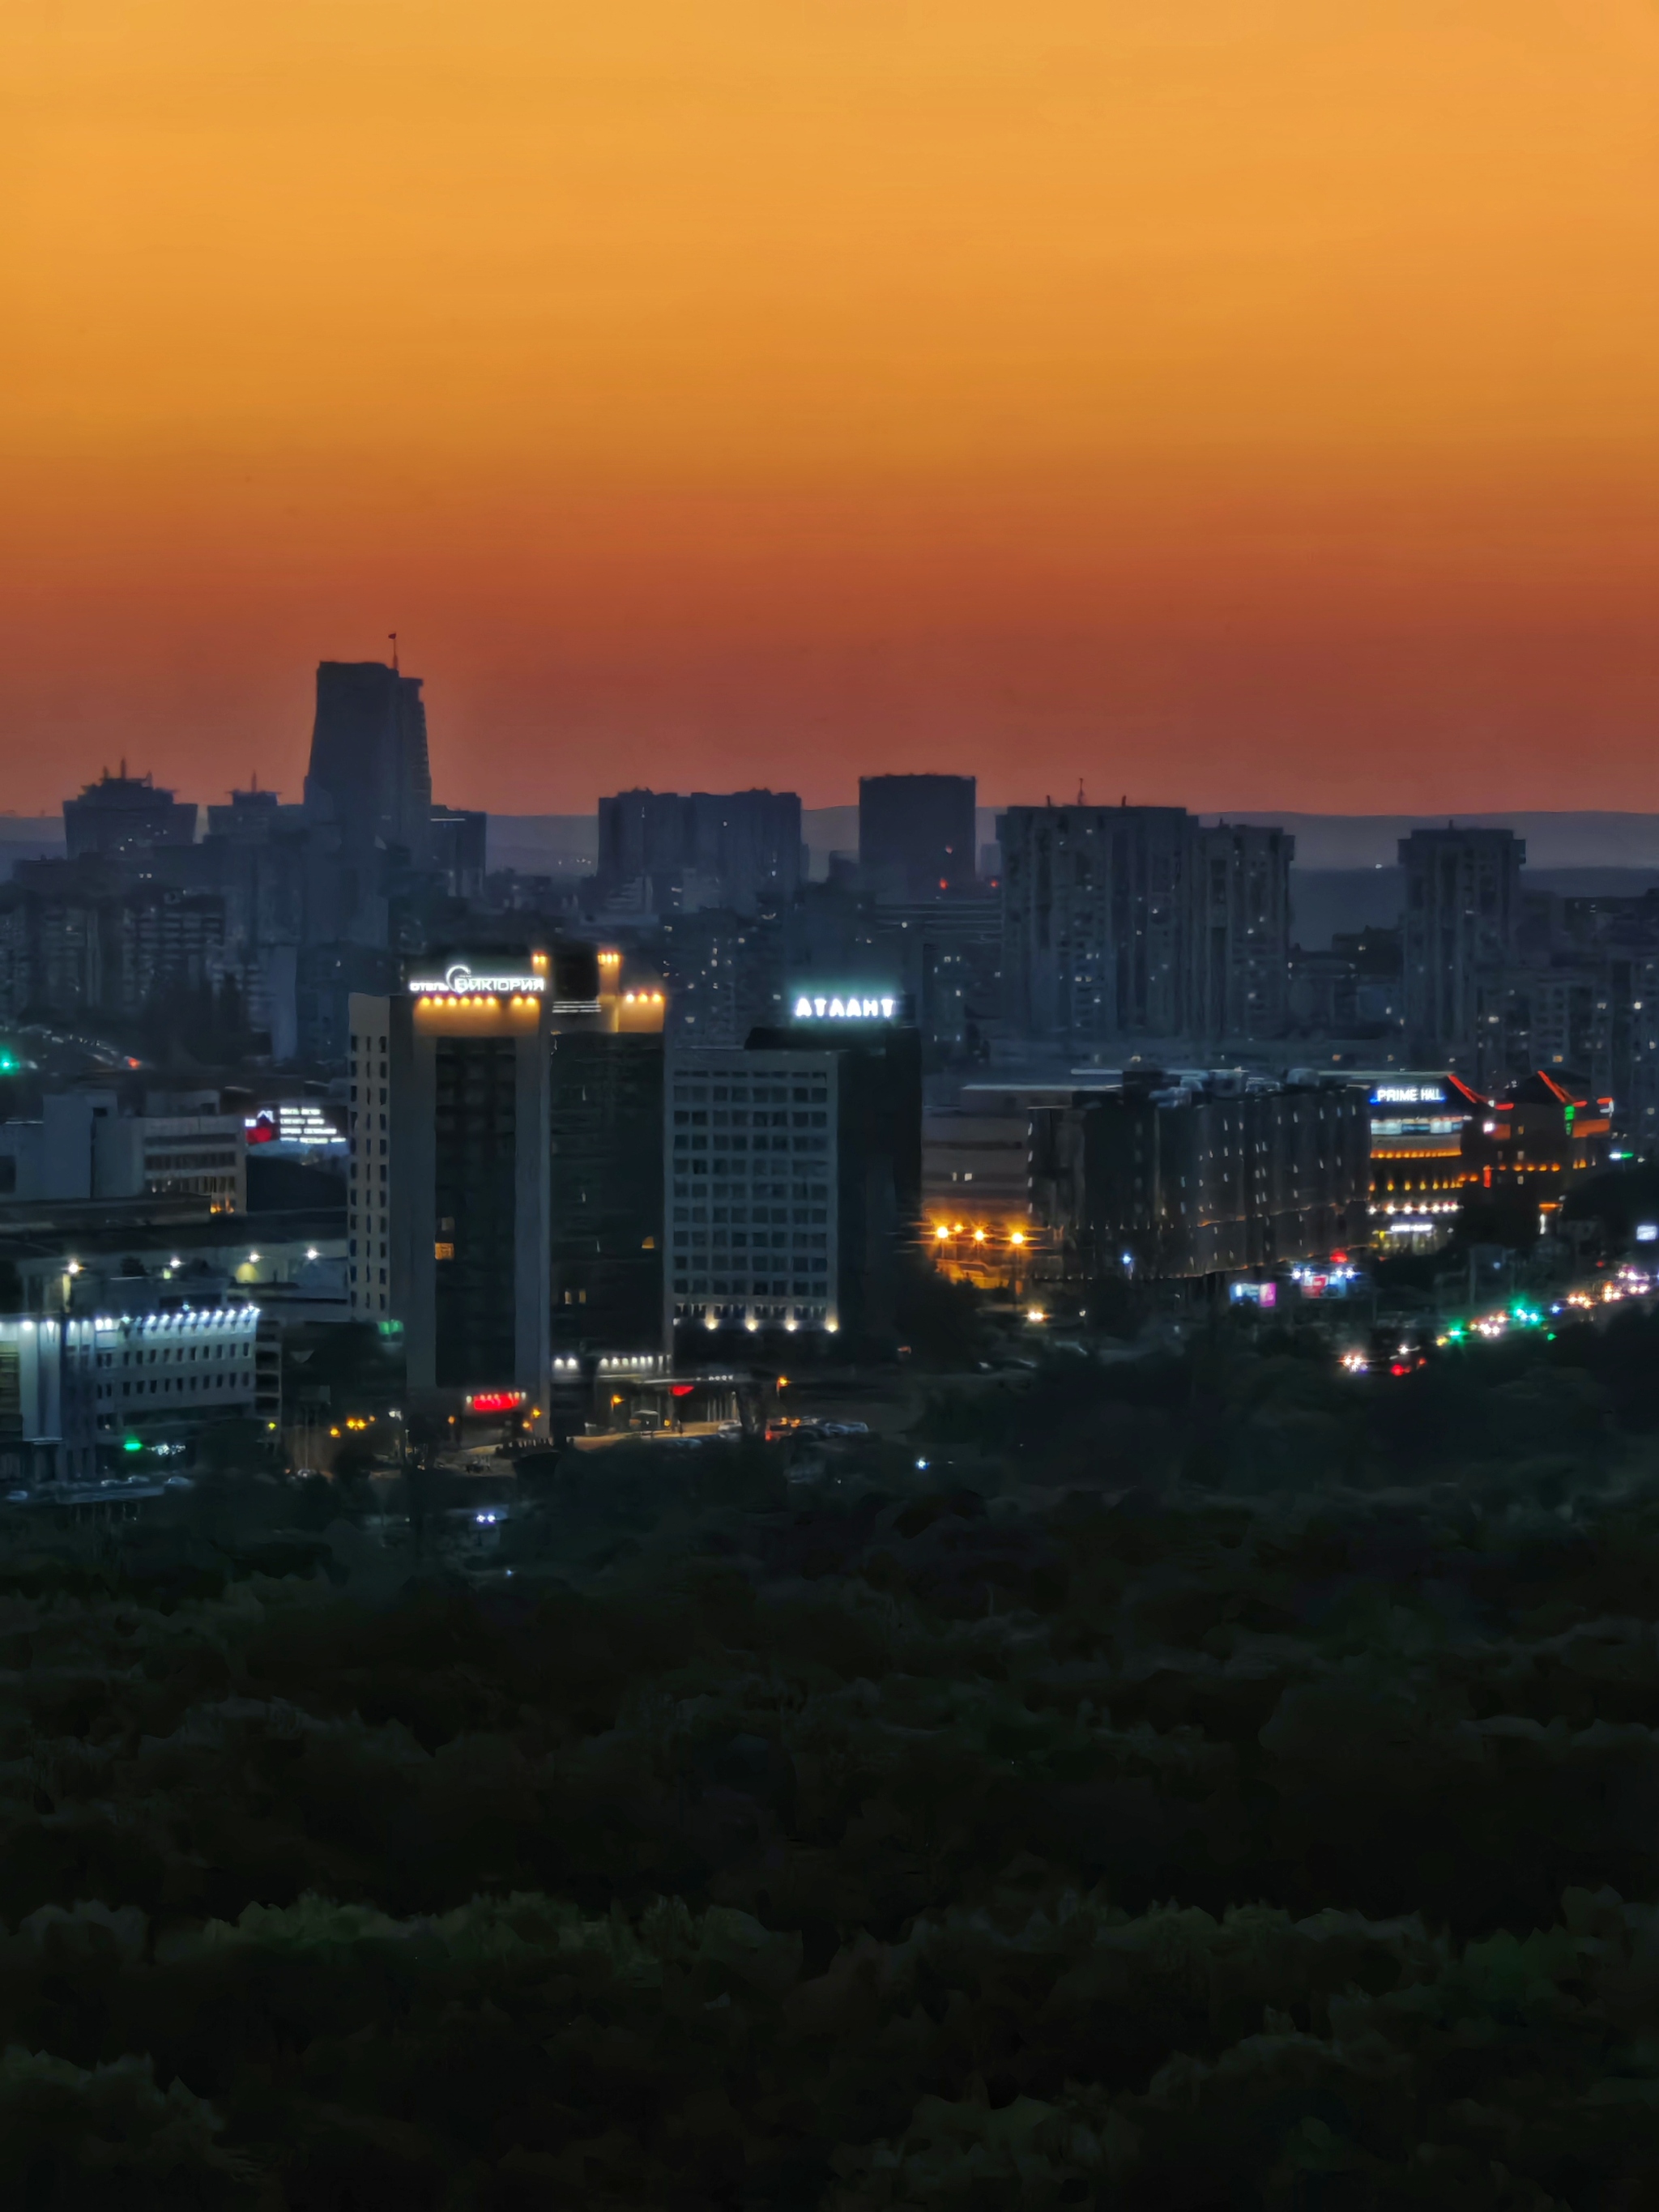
{"x":847,"y":1006}
{"x":1647,"y":1232}
{"x":495,"y":1402}
{"x":1409,"y":1094}
{"x":458,"y":982}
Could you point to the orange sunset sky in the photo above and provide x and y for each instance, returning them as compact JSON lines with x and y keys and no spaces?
{"x":1246,"y":403}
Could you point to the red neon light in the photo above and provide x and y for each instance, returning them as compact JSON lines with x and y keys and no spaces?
{"x":496,"y":1402}
{"x":682,"y":1389}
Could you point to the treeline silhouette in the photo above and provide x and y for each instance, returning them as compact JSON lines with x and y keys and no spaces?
{"x":1206,"y":1781}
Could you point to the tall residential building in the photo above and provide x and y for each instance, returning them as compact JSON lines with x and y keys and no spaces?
{"x":122,"y":814}
{"x":369,"y":772}
{"x":450,"y":1179}
{"x":1097,"y":921}
{"x":724,"y":973}
{"x":945,"y":957}
{"x":667,"y":852}
{"x":793,"y":1172}
{"x":1462,"y":909}
{"x":1240,"y":947}
{"x":916,"y":834}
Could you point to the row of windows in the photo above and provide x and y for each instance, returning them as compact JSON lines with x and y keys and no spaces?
{"x":813,"y":1312}
{"x":741,"y":1286}
{"x":687,"y":1117}
{"x":803,"y":1214}
{"x":759,"y":1094}
{"x":164,"y":1385}
{"x":801,"y":1240}
{"x":686,"y":1140}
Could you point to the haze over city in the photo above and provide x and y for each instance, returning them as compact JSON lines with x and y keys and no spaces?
{"x":1253,"y":403}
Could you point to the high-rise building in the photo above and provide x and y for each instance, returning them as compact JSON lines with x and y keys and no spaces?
{"x":459,"y":839}
{"x":724,"y":973}
{"x":793,"y":1172}
{"x":945,"y":957}
{"x":667,"y":852}
{"x":1240,"y":946}
{"x":449,"y":1195}
{"x":122,"y":814}
{"x":369,"y":772}
{"x":916,"y":834}
{"x":606,"y":1117}
{"x":1097,"y":921}
{"x":1462,"y":906}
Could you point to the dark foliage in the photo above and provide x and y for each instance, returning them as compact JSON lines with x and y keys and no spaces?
{"x":1205,"y":1783}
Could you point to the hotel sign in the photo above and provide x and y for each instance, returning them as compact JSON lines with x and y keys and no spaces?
{"x":845,"y":1006}
{"x":458,"y":982}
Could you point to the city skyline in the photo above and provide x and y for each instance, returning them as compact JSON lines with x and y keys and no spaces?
{"x":1251,"y":407}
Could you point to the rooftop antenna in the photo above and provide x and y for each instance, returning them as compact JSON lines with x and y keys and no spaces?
{"x":393,"y":635}
{"x":1081,"y":800}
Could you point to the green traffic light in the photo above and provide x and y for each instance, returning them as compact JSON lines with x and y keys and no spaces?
{"x":132,"y":1443}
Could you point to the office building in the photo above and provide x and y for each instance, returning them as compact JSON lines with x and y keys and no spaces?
{"x":916,"y":836}
{"x":666,"y":852}
{"x":1240,"y":942}
{"x":1462,"y":906}
{"x":1096,"y":922}
{"x":84,"y":1147}
{"x":793,"y":1170}
{"x":606,"y":1239}
{"x":1162,"y":1180}
{"x":369,"y":773}
{"x":121,"y":815}
{"x":448,"y":1198}
{"x":84,"y":1396}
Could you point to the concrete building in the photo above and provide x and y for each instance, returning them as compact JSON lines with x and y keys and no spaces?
{"x":793,"y":1175}
{"x":1096,"y":922}
{"x":125,"y":814}
{"x":916,"y":836}
{"x":86,"y":1395}
{"x":723,"y":973}
{"x":84,"y":1147}
{"x":946,"y":956}
{"x":1162,"y":1180}
{"x":448,"y":1199}
{"x":1239,"y":946}
{"x":666,"y":852}
{"x":1462,"y":909}
{"x":606,"y":1245}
